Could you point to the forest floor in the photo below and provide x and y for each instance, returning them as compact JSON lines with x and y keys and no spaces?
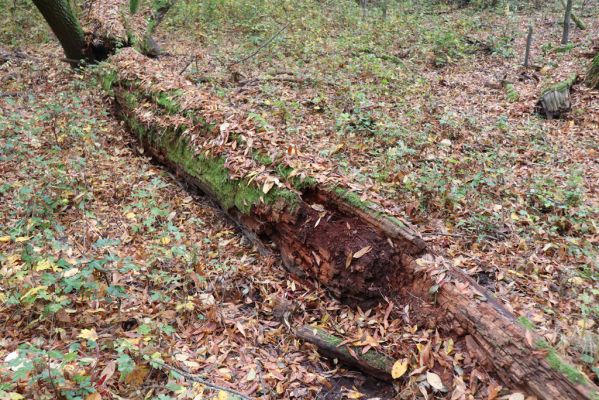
{"x":111,"y":270}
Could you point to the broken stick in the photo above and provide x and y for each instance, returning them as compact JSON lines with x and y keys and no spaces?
{"x":372,"y":362}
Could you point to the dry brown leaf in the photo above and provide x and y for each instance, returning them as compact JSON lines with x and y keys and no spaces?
{"x":362,"y":252}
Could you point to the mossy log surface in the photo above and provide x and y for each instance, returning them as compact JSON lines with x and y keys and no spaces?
{"x":372,"y":362}
{"x":328,"y":233}
{"x":592,"y":78}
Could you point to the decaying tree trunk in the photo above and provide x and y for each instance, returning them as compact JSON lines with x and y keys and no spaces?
{"x":321,"y":231}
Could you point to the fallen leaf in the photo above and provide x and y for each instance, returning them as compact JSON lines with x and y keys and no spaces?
{"x":267,"y":186}
{"x":88,"y":334}
{"x":435,"y":381}
{"x":399,"y":368}
{"x":138,"y":376}
{"x":362,"y":252}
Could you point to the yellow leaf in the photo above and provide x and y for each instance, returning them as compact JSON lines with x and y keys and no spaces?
{"x":33,"y":291}
{"x":4,"y":238}
{"x":399,"y":368}
{"x":449,"y":346}
{"x":354,"y":394}
{"x":222,"y":395}
{"x":89,"y":334}
{"x":22,"y":239}
{"x":165,"y":240}
{"x":45,"y":264}
{"x":362,"y":252}
{"x":130,"y":215}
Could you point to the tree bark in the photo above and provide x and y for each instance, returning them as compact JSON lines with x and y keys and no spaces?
{"x":528,"y":44}
{"x":575,"y":17}
{"x":65,"y":25}
{"x":567,"y":14}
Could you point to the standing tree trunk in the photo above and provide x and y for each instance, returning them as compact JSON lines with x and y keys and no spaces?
{"x":65,"y":25}
{"x":567,"y":15}
{"x":528,"y":44}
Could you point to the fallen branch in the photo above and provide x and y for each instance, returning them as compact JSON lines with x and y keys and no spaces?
{"x":195,"y":378}
{"x":372,"y":362}
{"x":263,"y":45}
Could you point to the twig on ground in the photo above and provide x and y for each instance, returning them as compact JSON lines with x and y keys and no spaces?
{"x":263,"y":45}
{"x":194,"y":378}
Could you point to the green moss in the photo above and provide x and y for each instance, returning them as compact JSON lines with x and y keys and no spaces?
{"x":553,"y":358}
{"x":558,"y":364}
{"x":108,"y":79}
{"x":561,"y":86}
{"x":212,"y":172}
{"x":371,"y":357}
{"x":526,"y":323}
{"x":511,"y":93}
{"x":262,"y":158}
{"x":592,"y":78}
{"x":168,"y":101}
{"x":351,"y":198}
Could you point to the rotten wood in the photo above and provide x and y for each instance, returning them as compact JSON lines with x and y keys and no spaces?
{"x":372,"y":362}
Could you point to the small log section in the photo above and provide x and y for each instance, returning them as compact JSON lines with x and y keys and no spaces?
{"x":324,"y":232}
{"x":372,"y":362}
{"x":555,"y":100}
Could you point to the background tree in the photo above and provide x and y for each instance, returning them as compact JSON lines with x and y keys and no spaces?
{"x":566,"y":32}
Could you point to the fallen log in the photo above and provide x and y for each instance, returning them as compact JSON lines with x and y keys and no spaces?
{"x":372,"y":362}
{"x":324,"y":232}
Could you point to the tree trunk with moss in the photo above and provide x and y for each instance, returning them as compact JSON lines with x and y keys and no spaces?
{"x":592,"y":78}
{"x":65,"y":25}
